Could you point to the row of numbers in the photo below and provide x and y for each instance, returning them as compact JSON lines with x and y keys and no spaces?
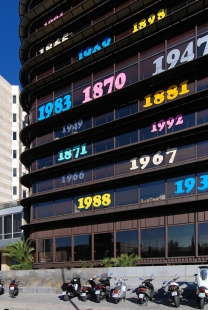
{"x":151,"y":19}
{"x":60,"y":105}
{"x":175,"y":55}
{"x":67,"y":154}
{"x":65,"y":37}
{"x":170,"y":122}
{"x":95,"y":201}
{"x":171,"y":93}
{"x":69,"y":127}
{"x":75,"y":176}
{"x":111,"y":82}
{"x":156,"y":160}
{"x":186,"y":186}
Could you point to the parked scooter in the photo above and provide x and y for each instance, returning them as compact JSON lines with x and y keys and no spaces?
{"x":72,"y":288}
{"x":13,"y":287}
{"x":174,"y":290}
{"x":102,"y":289}
{"x":119,"y":292}
{"x":88,"y":291}
{"x":146,"y":290}
{"x":201,"y":281}
{"x":1,"y":285}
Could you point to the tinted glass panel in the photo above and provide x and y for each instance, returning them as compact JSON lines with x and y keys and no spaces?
{"x":181,"y":241}
{"x":202,"y":117}
{"x":153,"y":242}
{"x":203,"y":239}
{"x":103,"y":245}
{"x":63,"y":249}
{"x":127,"y":242}
{"x":63,"y":206}
{"x":102,"y":119}
{"x":185,"y":185}
{"x":152,"y":191}
{"x":126,"y":110}
{"x":82,"y":247}
{"x":127,"y":138}
{"x":103,"y":172}
{"x":45,"y":250}
{"x":126,"y":195}
{"x":45,"y":209}
{"x":103,"y":146}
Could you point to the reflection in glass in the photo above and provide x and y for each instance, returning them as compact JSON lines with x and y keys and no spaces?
{"x":63,"y":249}
{"x":8,"y":226}
{"x":126,"y":195}
{"x":17,"y":222}
{"x":203,"y":238}
{"x":126,"y":110}
{"x":127,"y":242}
{"x":152,"y":191}
{"x":103,"y":172}
{"x":202,"y":148}
{"x":45,"y":162}
{"x":102,"y":146}
{"x":103,"y":245}
{"x":202,"y":116}
{"x":45,"y":209}
{"x":103,"y":119}
{"x":127,"y":138}
{"x":181,"y":240}
{"x":83,"y":247}
{"x":153,"y":242}
{"x":63,"y":206}
{"x":45,"y":250}
{"x":123,"y":167}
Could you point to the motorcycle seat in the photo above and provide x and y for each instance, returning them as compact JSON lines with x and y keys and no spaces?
{"x":117,"y":288}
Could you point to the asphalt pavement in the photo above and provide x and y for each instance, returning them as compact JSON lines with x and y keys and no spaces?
{"x":54,"y":302}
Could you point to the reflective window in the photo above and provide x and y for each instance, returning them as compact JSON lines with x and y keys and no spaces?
{"x":103,"y":119}
{"x":63,"y":249}
{"x":127,"y":138}
{"x":45,"y":209}
{"x":203,"y":239}
{"x":83,"y":247}
{"x":103,"y":172}
{"x":184,"y":185}
{"x":153,"y":242}
{"x":8,"y":226}
{"x":122,"y":167}
{"x":103,"y":246}
{"x":102,"y":146}
{"x":63,"y":206}
{"x":45,"y":162}
{"x":127,"y":242}
{"x":181,"y":241}
{"x":45,"y":250}
{"x":202,"y":117}
{"x":126,"y":110}
{"x":14,"y":99}
{"x":202,"y":148}
{"x":152,"y":191}
{"x":17,"y":222}
{"x":202,"y":182}
{"x":44,"y":185}
{"x":126,"y":195}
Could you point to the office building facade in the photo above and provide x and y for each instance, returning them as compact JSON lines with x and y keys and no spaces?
{"x":115,"y":93}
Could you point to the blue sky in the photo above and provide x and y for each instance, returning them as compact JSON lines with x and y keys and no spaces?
{"x":10,"y":43}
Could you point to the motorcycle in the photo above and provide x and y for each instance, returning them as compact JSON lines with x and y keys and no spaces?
{"x":13,"y":287}
{"x":201,"y":282}
{"x":1,"y":285}
{"x":146,"y":290}
{"x":174,"y":290}
{"x":72,"y":288}
{"x":119,"y":292}
{"x":88,"y":291}
{"x":102,"y":289}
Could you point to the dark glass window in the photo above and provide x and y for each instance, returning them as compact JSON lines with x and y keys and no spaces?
{"x":202,"y":182}
{"x":14,"y":153}
{"x":126,"y":195}
{"x":203,"y":239}
{"x":185,"y":153}
{"x":202,"y":117}
{"x":17,"y":222}
{"x":14,"y":117}
{"x":103,"y":119}
{"x":63,"y":206}
{"x":181,"y":241}
{"x":131,"y":74}
{"x":14,"y":135}
{"x":188,"y":121}
{"x":43,"y":186}
{"x":14,"y":99}
{"x":149,"y":133}
{"x":1,"y":232}
{"x":82,"y":176}
{"x":153,"y":242}
{"x":103,"y":245}
{"x":14,"y":190}
{"x":45,"y":250}
{"x":152,"y":191}
{"x":202,"y":148}
{"x":126,"y":110}
{"x":185,"y":185}
{"x":45,"y":209}
{"x":83,"y":247}
{"x":127,"y":242}
{"x":122,"y":167}
{"x":8,"y":226}
{"x":63,"y":249}
{"x":103,"y":172}
{"x":127,"y":138}
{"x":24,"y":193}
{"x":14,"y":172}
{"x":45,"y":162}
{"x":103,"y":146}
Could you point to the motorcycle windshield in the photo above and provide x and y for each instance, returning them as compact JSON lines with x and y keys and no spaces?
{"x":202,"y":277}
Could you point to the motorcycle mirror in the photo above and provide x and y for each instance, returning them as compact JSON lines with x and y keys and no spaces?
{"x":96,"y":276}
{"x":114,"y":278}
{"x":152,"y":274}
{"x":140,"y":279}
{"x":69,"y":278}
{"x":84,"y":279}
{"x":79,"y":274}
{"x":164,"y":282}
{"x":176,"y":275}
{"x":110,"y":274}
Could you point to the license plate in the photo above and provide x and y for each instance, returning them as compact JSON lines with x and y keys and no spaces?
{"x":11,"y":288}
{"x":97,"y":292}
{"x":83,"y":294}
{"x":141,"y":295}
{"x":63,"y":293}
{"x":173,"y":293}
{"x":201,"y":295}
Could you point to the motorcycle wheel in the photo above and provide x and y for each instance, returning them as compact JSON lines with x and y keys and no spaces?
{"x":200,"y":303}
{"x":98,"y":298}
{"x":66,"y":297}
{"x":116,"y":301}
{"x":176,"y":301}
{"x":83,"y":298}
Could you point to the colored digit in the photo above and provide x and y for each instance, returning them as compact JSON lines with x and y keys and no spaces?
{"x":106,"y":201}
{"x":84,"y":150}
{"x":98,"y":90}
{"x":159,"y":97}
{"x":179,"y":119}
{"x":48,"y":109}
{"x":87,"y":202}
{"x":154,"y":127}
{"x":96,"y":201}
{"x":134,"y":164}
{"x":151,"y":19}
{"x":142,"y":24}
{"x":204,"y":182}
{"x":58,"y":105}
{"x":67,"y":154}
{"x":172,"y":92}
{"x":86,"y":93}
{"x":67,"y":103}
{"x":120,"y":80}
{"x":189,"y":184}
{"x":81,"y":205}
{"x":179,"y":189}
{"x":135,"y":27}
{"x":61,"y":155}
{"x":41,"y":111}
{"x":144,"y":161}
{"x":184,"y":88}
{"x":170,"y":122}
{"x":148,"y":102}
{"x":160,"y":14}
{"x":161,"y":124}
